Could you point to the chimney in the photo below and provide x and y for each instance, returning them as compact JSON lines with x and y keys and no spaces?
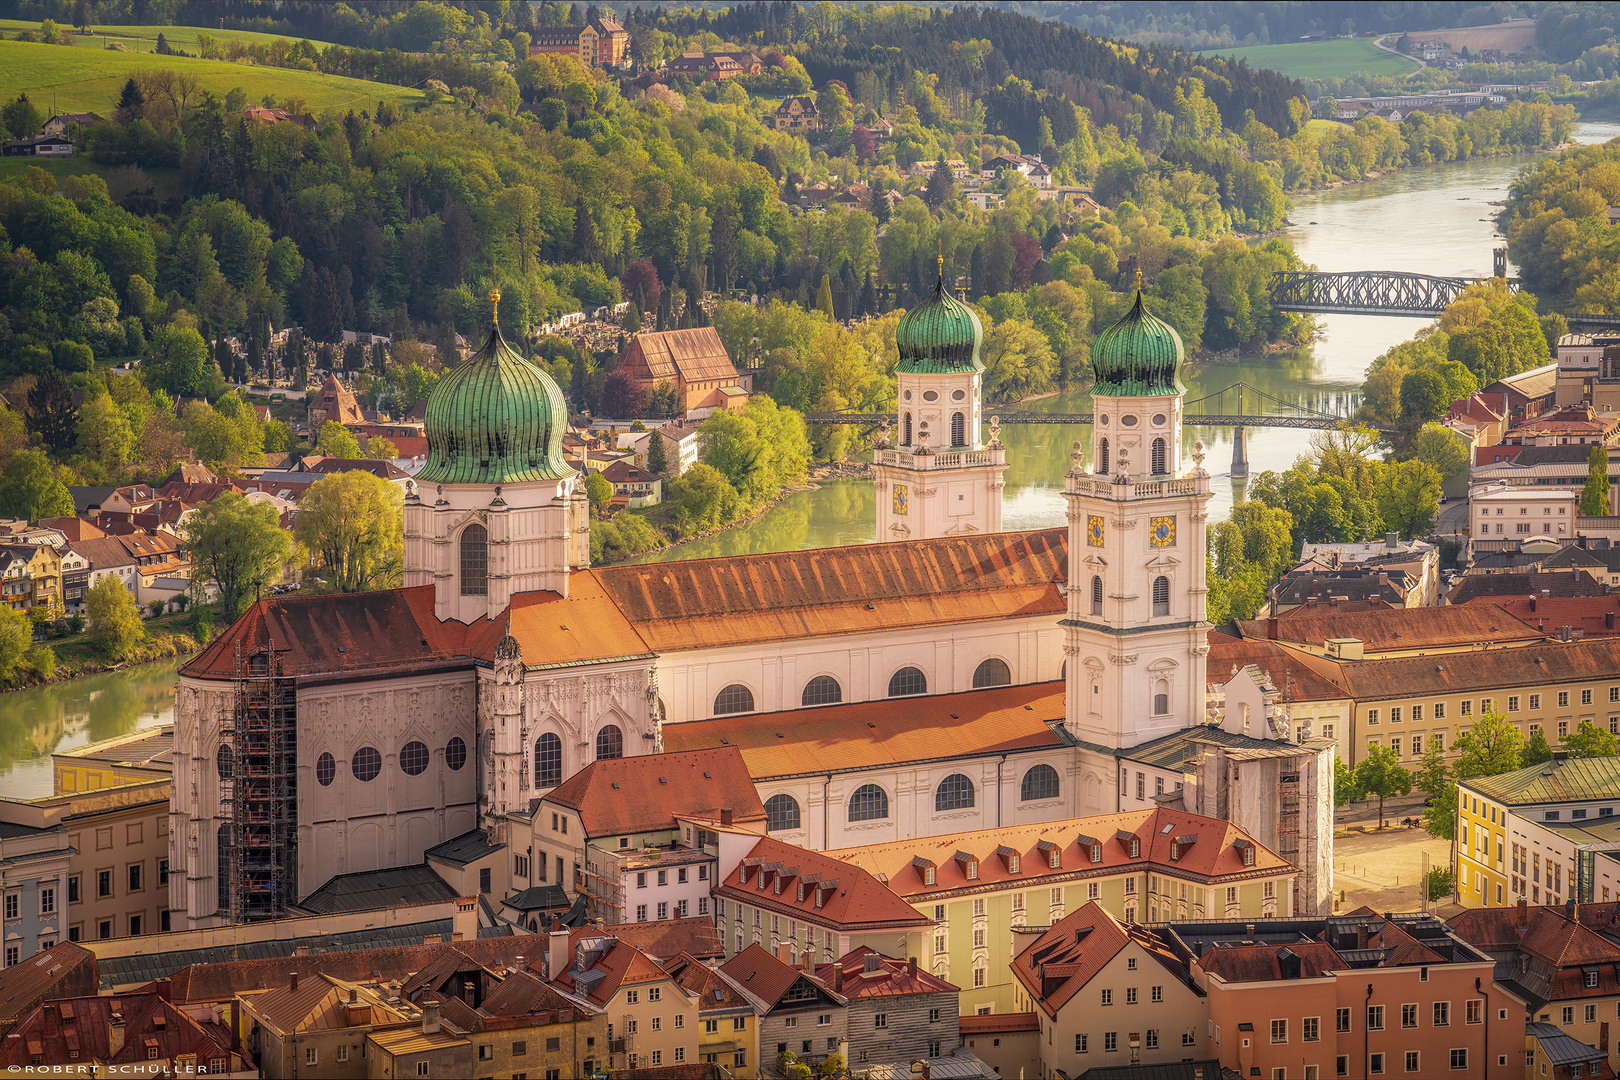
{"x":1361,"y":936}
{"x":354,"y":995}
{"x":1524,"y":914}
{"x":1532,"y":601}
{"x":838,"y":977}
{"x":115,"y":1034}
{"x":725,"y":817}
{"x":557,"y":956}
{"x":49,"y":1011}
{"x":911,"y":966}
{"x":165,"y":989}
{"x":1391,"y":539}
{"x":430,"y":1018}
{"x":295,"y":982}
{"x":1608,"y":620}
{"x":805,"y":958}
{"x":464,"y":924}
{"x":784,"y":953}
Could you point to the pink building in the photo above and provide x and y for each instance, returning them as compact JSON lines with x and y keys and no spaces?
{"x":1356,"y":996}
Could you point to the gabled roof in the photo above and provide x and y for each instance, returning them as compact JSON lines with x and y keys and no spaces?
{"x":1564,"y":943}
{"x":1281,"y":668}
{"x":1588,"y":615}
{"x":1530,"y":665}
{"x":694,"y":935}
{"x":617,"y":796}
{"x":523,"y":994}
{"x":815,"y":886}
{"x":60,"y":971}
{"x":867,"y":973}
{"x":149,"y":1022}
{"x":1211,"y":855}
{"x":1556,"y":781}
{"x":1477,"y":586}
{"x":1445,"y":627}
{"x":878,"y":733}
{"x":1058,"y":964}
{"x":714,"y":993}
{"x":695,"y":355}
{"x":763,"y":974}
{"x":602,"y":963}
{"x":1262,"y":963}
{"x":320,"y":1003}
{"x":878,"y":588}
{"x":1562,"y":1048}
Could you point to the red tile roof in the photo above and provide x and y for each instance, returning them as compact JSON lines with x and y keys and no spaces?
{"x":878,"y":588}
{"x":1471,"y":626}
{"x":1562,"y":943}
{"x":1260,"y":963}
{"x":645,"y":793}
{"x":762,"y":973}
{"x":1212,"y":855}
{"x":714,"y":994}
{"x":876,"y":733}
{"x":61,"y":971}
{"x":620,"y":963}
{"x":1058,"y":964}
{"x":815,"y":887}
{"x":1589,"y":615}
{"x":1282,"y":669}
{"x":79,"y":1030}
{"x":855,"y":976}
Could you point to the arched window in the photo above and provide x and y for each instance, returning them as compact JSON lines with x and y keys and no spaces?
{"x":869,"y":803}
{"x":609,"y":743}
{"x":226,"y":849}
{"x":1161,"y":596}
{"x":475,"y":561}
{"x":822,"y":690}
{"x":325,"y":770}
{"x":907,"y":681}
{"x":781,"y":813}
{"x":958,"y":429}
{"x":455,"y":753}
{"x":547,"y":761}
{"x":366,"y":764}
{"x":954,"y":793}
{"x":414,"y":758}
{"x":905,"y":437}
{"x":1161,"y":697}
{"x":1096,"y":594}
{"x":735,"y":698}
{"x":992,"y":672}
{"x":225,"y":762}
{"x":1102,"y":456}
{"x":1040,"y":782}
{"x":1158,"y":458}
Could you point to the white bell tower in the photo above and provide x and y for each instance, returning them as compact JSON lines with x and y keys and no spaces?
{"x":1136,"y":651}
{"x":941,"y":480}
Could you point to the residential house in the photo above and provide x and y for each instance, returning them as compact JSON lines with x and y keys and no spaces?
{"x":16,"y":580}
{"x":1158,"y":864}
{"x":522,"y":1026}
{"x":1527,"y":394}
{"x":38,"y":146}
{"x":730,"y":1014}
{"x":1549,"y":1052}
{"x":106,"y":556}
{"x":652,"y":1019}
{"x":1395,"y":586}
{"x":633,"y":486}
{"x":64,"y":970}
{"x":315,"y":1024}
{"x":1385,"y":635}
{"x":633,"y":830}
{"x":118,"y":871}
{"x":780,"y":896}
{"x":138,"y":1034}
{"x":266,"y":115}
{"x":1570,"y":425}
{"x":601,"y":42}
{"x":797,"y":114}
{"x":1391,"y":551}
{"x":693,"y":361}
{"x":1477,"y":587}
{"x":896,"y":1011}
{"x":715,"y":66}
{"x":1074,"y":196}
{"x":1562,"y":617}
{"x":1108,"y":994}
{"x":75,"y":569}
{"x":1482,"y":421}
{"x":1009,"y":1043}
{"x":428,"y":1048}
{"x":1357,"y":995}
{"x":1586,"y":372}
{"x":64,"y":123}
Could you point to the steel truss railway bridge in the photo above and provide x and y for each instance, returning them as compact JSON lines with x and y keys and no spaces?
{"x":1383,"y":292}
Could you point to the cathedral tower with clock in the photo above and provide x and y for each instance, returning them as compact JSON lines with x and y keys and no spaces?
{"x":941,"y":480}
{"x":1135,"y":646}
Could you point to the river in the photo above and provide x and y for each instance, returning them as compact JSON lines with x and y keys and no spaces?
{"x":1435,"y":220}
{"x":45,"y":720}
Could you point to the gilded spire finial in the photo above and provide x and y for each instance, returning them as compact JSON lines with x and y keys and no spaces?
{"x":1138,"y":279}
{"x":495,"y":294}
{"x":939,"y":249}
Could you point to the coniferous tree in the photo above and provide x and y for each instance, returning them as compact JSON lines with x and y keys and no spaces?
{"x":868,"y":304}
{"x":941,"y":186}
{"x":49,"y":411}
{"x":657,"y":457}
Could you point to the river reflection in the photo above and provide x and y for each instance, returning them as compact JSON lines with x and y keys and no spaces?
{"x":48,"y":719}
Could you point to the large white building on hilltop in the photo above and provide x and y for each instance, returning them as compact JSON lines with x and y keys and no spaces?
{"x":953,"y":676}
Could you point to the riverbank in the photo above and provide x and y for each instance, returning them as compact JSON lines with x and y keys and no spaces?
{"x":76,"y":658}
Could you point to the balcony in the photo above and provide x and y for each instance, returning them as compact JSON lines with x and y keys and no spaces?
{"x":1103,"y":488}
{"x":941,"y":459}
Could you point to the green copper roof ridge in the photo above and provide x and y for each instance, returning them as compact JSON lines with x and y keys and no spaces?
{"x":1140,"y":355}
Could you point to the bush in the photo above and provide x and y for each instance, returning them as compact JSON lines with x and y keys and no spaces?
{"x":1439,"y":884}
{"x":75,"y":624}
{"x":41,"y":661}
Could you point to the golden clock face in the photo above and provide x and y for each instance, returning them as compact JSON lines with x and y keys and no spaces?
{"x":1163,"y":531}
{"x":1094,"y":531}
{"x":901,"y":498}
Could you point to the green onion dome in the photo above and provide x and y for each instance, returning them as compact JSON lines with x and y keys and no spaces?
{"x":495,"y":419}
{"x":939,"y":335}
{"x":1139,"y":356}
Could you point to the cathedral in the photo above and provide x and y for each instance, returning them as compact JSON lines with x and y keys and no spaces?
{"x":329,"y":734}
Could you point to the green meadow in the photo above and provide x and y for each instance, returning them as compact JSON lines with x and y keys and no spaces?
{"x":1322,"y":59}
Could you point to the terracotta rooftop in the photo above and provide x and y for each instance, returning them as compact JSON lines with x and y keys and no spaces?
{"x":319,"y":1003}
{"x":1448,"y":627}
{"x":1058,"y":964}
{"x":521,"y":993}
{"x":867,"y":973}
{"x":817,"y":887}
{"x":875,"y":733}
{"x":644,"y":793}
{"x":1562,"y":942}
{"x":1283,"y":669}
{"x":601,"y":963}
{"x":1538,"y":664}
{"x":762,"y":973}
{"x":1264,"y":963}
{"x":555,"y":632}
{"x":786,"y":596}
{"x":694,"y":936}
{"x":79,"y":1030}
{"x":1212,"y":854}
{"x":1591,"y":616}
{"x":1474,"y":587}
{"x":714,"y":994}
{"x":63,"y":970}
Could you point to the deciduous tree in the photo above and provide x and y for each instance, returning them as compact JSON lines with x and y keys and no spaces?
{"x":1380,"y":773}
{"x":1595,"y":495}
{"x":351,"y":524}
{"x":238,"y":545}
{"x":114,"y":618}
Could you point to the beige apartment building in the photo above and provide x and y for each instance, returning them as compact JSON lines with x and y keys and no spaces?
{"x":118,"y":877}
{"x":653,"y":1020}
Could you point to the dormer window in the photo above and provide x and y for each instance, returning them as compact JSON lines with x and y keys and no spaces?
{"x":973,"y":870}
{"x":1246,"y":849}
{"x":930,"y":876}
{"x":1054,"y":859}
{"x":1175,"y":851}
{"x":1012,"y":864}
{"x":1096,"y":853}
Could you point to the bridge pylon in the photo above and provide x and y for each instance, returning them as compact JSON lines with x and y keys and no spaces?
{"x":1240,"y":451}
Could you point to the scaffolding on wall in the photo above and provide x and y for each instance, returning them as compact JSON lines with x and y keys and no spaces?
{"x":1288,"y":830}
{"x":259,"y":798}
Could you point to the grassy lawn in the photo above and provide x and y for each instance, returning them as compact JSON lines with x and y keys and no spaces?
{"x":88,"y":80}
{"x":144,"y":38}
{"x":1322,"y":59}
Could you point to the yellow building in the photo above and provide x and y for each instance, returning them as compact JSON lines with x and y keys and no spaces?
{"x":798,"y":114}
{"x":137,"y":758}
{"x":728,"y":1026}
